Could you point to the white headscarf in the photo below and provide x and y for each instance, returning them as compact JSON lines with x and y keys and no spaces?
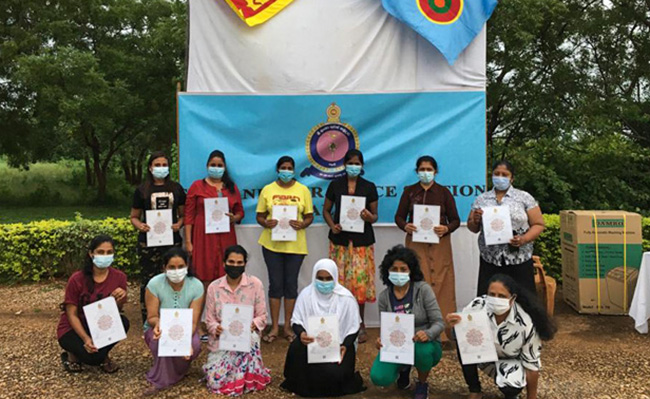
{"x":340,"y":302}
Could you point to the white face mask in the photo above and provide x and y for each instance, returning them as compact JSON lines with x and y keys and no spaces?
{"x":498,"y":306}
{"x":176,"y":276}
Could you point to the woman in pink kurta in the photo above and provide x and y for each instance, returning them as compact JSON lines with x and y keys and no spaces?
{"x":229,"y":372}
{"x":207,"y":250}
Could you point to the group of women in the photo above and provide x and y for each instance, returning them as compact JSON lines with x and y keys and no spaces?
{"x":419,"y":280}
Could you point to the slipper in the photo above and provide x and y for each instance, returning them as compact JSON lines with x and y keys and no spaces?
{"x":70,"y":367}
{"x":109,"y":367}
{"x":152,"y":390}
{"x":290,"y":337}
{"x":270,"y":338}
{"x":363,"y":336}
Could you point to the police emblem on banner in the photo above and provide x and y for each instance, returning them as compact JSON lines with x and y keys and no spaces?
{"x":327,"y":144}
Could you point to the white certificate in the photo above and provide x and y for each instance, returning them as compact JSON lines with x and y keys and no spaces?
{"x":475,"y":338}
{"x":175,"y":333}
{"x":351,"y":207}
{"x":397,"y":331}
{"x":160,"y":228}
{"x":497,"y":226}
{"x":216,"y":218}
{"x":236,"y":322}
{"x":283,"y":231}
{"x":326,"y":347}
{"x":104,"y":322}
{"x":425,"y":218}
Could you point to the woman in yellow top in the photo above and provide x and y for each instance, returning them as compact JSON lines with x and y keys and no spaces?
{"x":284,"y":258}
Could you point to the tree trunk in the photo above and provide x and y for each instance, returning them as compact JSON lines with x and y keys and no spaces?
{"x":90,"y":178}
{"x":100,"y":175}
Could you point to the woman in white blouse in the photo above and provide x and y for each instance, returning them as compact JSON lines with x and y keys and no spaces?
{"x":515,"y":258}
{"x":519,"y":324}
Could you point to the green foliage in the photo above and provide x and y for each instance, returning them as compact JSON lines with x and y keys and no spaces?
{"x":91,"y":80}
{"x":547,"y":247}
{"x":50,"y":248}
{"x":48,"y":184}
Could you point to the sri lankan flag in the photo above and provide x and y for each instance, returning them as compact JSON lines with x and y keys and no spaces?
{"x":255,"y":12}
{"x":450,"y":25}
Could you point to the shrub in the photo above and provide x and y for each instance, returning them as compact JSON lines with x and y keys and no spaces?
{"x":52,"y":248}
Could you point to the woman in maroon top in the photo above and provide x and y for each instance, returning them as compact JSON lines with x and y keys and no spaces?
{"x":435,"y":259}
{"x":96,"y":281}
{"x":207,"y":250}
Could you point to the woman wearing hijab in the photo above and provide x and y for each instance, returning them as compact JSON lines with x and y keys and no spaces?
{"x":324,"y":296}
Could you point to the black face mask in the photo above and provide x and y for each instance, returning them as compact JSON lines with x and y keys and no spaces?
{"x":234,"y":271}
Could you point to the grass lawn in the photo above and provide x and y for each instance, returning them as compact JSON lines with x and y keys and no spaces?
{"x":11,"y":214}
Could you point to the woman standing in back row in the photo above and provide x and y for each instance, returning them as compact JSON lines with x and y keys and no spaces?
{"x":156,"y":193}
{"x":436,"y":260}
{"x":207,"y":250}
{"x":284,"y":258}
{"x":354,"y":253}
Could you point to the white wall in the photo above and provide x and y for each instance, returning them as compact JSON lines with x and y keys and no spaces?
{"x":464,"y":244}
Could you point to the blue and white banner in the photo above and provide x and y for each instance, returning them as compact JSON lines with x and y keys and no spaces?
{"x":392,"y":130}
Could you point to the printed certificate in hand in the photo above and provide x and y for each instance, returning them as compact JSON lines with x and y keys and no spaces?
{"x":216,"y":218}
{"x":104,"y":322}
{"x":175,"y":333}
{"x":497,"y":226}
{"x":160,"y":232}
{"x":397,"y":331}
{"x":236,"y":322}
{"x":425,"y":218}
{"x":283,"y":231}
{"x":475,"y":339}
{"x":351,"y":207}
{"x":326,"y":347}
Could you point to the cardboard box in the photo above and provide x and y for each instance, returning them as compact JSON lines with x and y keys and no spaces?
{"x":615,"y":232}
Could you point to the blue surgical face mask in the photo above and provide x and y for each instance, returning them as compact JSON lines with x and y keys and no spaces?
{"x":325,"y":287}
{"x":353,"y":170}
{"x":425,"y":177}
{"x":501,"y":183}
{"x":399,"y":279}
{"x":285,"y":175}
{"x":160,"y":172}
{"x":102,"y":261}
{"x":216,"y":172}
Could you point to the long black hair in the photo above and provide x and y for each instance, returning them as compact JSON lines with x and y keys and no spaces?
{"x":544,"y":326}
{"x":88,"y":260}
{"x":406,"y":255}
{"x":147,"y":185}
{"x":227,"y":181}
{"x":177,"y":252}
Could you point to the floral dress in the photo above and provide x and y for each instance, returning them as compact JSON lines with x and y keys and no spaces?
{"x":229,"y":372}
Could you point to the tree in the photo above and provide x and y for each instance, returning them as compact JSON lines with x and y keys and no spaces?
{"x":102,"y":85}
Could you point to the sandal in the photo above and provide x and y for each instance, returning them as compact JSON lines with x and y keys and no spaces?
{"x":70,"y":367}
{"x":152,"y":390}
{"x":109,"y":367}
{"x":363,"y":336}
{"x":269,"y":338}
{"x":290,"y":337}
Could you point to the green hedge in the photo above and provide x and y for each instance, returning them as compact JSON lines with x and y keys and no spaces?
{"x":51,"y":248}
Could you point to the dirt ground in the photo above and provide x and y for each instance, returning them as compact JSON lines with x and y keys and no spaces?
{"x":592,"y":357}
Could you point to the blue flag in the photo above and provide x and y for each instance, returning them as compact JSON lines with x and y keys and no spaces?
{"x":450,"y":25}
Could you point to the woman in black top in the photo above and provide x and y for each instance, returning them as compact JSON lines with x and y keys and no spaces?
{"x":157,"y":192}
{"x":354,"y":253}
